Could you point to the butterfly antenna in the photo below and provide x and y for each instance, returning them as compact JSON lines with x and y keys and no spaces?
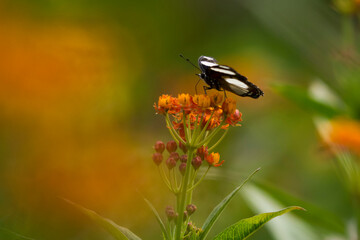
{"x":188,"y":60}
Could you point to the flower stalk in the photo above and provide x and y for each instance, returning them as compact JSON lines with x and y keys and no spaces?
{"x":193,"y":121}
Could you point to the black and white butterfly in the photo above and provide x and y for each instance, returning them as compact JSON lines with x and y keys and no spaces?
{"x":222,"y":77}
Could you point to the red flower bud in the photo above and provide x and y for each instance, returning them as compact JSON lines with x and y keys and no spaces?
{"x":159,"y":147}
{"x":171,"y":146}
{"x":186,"y":215}
{"x":182,"y":147}
{"x":182,"y":168}
{"x":175,"y":155}
{"x":196,"y":162}
{"x":183,"y":158}
{"x":202,"y":152}
{"x":190,"y":226}
{"x":182,"y":132}
{"x":157,"y":158}
{"x":191,"y":208}
{"x":170,"y":213}
{"x":236,"y":115}
{"x":170,"y":163}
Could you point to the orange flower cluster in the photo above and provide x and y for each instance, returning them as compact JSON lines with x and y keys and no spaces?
{"x":199,"y":110}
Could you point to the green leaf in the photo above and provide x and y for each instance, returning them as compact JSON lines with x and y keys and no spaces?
{"x":285,"y":228}
{"x":10,"y":235}
{"x":158,"y":218}
{"x":303,"y":100}
{"x":118,"y":232}
{"x":214,"y":215}
{"x":246,"y":227}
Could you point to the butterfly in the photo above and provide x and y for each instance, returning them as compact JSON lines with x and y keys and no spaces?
{"x":222,"y":77}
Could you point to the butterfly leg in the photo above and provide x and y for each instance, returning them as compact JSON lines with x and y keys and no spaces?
{"x":206,"y":88}
{"x":196,"y":85}
{"x":224,"y":93}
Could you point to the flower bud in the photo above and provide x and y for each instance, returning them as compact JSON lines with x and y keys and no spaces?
{"x":170,"y":163}
{"x":157,"y":158}
{"x":196,"y":162}
{"x":159,"y":147}
{"x":182,"y":168}
{"x":171,"y":146}
{"x":183,"y":158}
{"x":189,"y":227}
{"x":186,"y":215}
{"x":229,"y":106}
{"x":182,"y":133}
{"x":236,"y":115}
{"x":175,"y":155}
{"x":191,"y":208}
{"x":170,"y":213}
{"x":182,"y":147}
{"x":202,"y":152}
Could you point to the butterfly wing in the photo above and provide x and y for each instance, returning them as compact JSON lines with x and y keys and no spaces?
{"x":205,"y":63}
{"x":234,"y":82}
{"x":225,"y":77}
{"x":241,"y":88}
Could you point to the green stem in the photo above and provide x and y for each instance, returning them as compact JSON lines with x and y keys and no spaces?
{"x":173,"y":173}
{"x":165,"y":179}
{"x":173,"y":132}
{"x":212,"y":134}
{"x":183,"y":193}
{"x":198,"y":126}
{"x":193,"y":177}
{"x":198,"y":182}
{"x":169,"y":229}
{"x":185,"y":127}
{"x":189,"y":130}
{"x":189,"y":193}
{"x":204,"y":129}
{"x":218,"y":141}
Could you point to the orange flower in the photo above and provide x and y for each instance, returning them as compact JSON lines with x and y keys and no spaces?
{"x":164,"y":101}
{"x":218,"y":113}
{"x":202,"y":101}
{"x":229,"y":106}
{"x":184,"y":99}
{"x":216,"y":99}
{"x":167,"y":103}
{"x":346,"y":133}
{"x":214,"y":159}
{"x":214,"y":121}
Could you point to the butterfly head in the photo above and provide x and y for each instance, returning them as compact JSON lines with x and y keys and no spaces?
{"x":201,"y":75}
